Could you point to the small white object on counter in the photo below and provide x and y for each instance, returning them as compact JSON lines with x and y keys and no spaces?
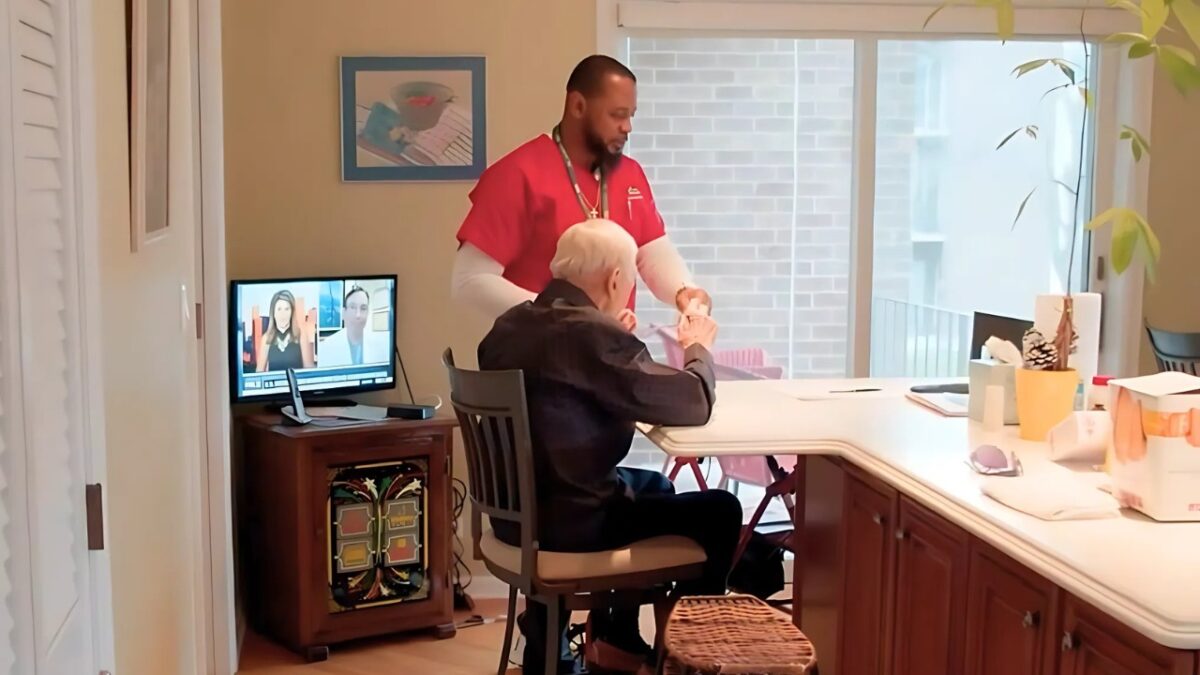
{"x":1082,"y":437}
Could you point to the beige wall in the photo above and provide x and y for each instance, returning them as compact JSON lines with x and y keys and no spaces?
{"x":287,"y":211}
{"x":149,"y":379}
{"x":1173,"y":302}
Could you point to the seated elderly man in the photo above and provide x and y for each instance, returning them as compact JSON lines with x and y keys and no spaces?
{"x":588,"y":380}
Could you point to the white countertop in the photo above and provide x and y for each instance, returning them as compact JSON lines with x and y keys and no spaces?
{"x":1140,"y":571}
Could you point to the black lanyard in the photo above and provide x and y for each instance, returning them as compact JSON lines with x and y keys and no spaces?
{"x":588,"y":211}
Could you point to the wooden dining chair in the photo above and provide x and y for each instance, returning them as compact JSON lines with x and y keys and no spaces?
{"x":493,"y":417}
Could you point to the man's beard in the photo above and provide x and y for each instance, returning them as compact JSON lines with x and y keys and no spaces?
{"x":605,"y":159}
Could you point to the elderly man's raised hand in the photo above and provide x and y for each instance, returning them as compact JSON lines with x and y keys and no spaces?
{"x":697,"y":329}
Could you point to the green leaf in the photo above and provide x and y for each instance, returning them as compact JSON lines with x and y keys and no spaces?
{"x":1030,"y":130}
{"x":1088,"y":99}
{"x":1188,"y":13}
{"x":1021,"y":209}
{"x":1126,"y":37}
{"x":1139,"y":50}
{"x":1066,"y":67}
{"x":1181,"y":66}
{"x":1029,"y":67}
{"x":1154,"y":16}
{"x":1054,"y":89}
{"x":1138,"y":144}
{"x":1182,"y":53}
{"x":1131,"y":233}
{"x":1124,"y":242}
{"x":934,"y":13}
{"x":1005,"y":20}
{"x":1066,"y":187}
{"x":1128,"y":6}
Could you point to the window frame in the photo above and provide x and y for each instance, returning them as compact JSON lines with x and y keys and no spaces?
{"x":1118,"y":178}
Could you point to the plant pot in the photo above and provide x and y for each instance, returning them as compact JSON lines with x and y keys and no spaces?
{"x":1044,"y":398}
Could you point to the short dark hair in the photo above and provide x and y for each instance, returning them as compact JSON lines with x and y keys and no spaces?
{"x":588,"y":77}
{"x":353,"y":290}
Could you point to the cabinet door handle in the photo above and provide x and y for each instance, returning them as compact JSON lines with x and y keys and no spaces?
{"x":901,"y":535}
{"x":1068,"y":641}
{"x":877,"y":519}
{"x":1031,"y":619}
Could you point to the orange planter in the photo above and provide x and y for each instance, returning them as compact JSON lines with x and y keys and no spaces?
{"x":1044,"y":398}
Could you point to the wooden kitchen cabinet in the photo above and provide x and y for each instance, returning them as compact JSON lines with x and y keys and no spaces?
{"x":867,"y":553}
{"x":1094,"y":643}
{"x":931,"y":585}
{"x":916,"y":594}
{"x":1011,"y":617}
{"x":347,"y":530}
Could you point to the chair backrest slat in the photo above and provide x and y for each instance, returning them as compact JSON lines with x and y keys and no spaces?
{"x":491,"y":451}
{"x":508,"y":455}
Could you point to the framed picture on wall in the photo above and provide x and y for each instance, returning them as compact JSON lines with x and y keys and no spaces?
{"x":148,"y":46}
{"x":413,"y":118}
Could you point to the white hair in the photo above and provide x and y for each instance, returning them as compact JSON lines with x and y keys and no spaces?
{"x":594,"y":247}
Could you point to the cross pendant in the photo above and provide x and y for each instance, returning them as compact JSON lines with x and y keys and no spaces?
{"x":593,"y":214}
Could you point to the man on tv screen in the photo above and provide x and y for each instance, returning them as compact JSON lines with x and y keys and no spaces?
{"x":354,"y":344}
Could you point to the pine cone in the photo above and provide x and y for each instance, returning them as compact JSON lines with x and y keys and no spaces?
{"x":1032,"y":338}
{"x":1042,"y":357}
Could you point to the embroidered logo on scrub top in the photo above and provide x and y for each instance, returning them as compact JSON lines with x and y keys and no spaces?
{"x":633,"y":194}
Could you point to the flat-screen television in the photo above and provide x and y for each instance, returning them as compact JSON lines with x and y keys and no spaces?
{"x":338,"y":333}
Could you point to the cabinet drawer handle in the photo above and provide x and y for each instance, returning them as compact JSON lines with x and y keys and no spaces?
{"x":901,"y":535}
{"x":1031,"y":619}
{"x":877,"y":519}
{"x":1068,"y":641}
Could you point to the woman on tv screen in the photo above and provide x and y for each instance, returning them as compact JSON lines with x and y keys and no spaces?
{"x":284,"y":345}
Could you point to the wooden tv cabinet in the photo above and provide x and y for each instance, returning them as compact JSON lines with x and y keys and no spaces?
{"x":346,"y":531}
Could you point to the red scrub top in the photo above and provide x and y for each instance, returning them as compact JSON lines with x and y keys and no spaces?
{"x":525,"y":201}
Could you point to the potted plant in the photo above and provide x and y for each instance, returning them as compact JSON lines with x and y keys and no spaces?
{"x":1046,"y":385}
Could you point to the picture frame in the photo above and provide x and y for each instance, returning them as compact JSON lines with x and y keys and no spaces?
{"x":413,"y":118}
{"x":148,"y":47}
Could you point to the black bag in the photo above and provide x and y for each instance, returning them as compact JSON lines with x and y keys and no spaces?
{"x":760,"y":570}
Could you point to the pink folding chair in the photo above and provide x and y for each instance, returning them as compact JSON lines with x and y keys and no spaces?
{"x":775,"y":474}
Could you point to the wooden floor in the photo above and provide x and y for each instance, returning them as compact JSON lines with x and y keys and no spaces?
{"x":474,"y":651}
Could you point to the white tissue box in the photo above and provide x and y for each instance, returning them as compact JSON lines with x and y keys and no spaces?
{"x":1156,"y":445}
{"x":984,"y":372}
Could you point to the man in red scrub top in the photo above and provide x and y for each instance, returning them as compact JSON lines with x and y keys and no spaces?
{"x":576,"y":172}
{"x":520,"y":207}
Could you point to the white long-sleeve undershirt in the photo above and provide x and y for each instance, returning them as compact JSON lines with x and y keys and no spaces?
{"x":478,"y":282}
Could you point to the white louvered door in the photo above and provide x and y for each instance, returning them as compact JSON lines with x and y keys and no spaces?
{"x":45,"y":596}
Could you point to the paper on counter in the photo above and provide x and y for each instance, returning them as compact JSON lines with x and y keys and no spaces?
{"x":1052,"y":496}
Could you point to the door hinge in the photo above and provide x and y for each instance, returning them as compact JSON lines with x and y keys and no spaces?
{"x":199,"y":321}
{"x":1099,"y":268}
{"x":95,"y":517}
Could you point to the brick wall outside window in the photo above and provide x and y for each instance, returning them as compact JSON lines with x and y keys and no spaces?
{"x":748,"y":147}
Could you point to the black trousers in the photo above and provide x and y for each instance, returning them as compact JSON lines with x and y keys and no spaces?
{"x":712,"y":519}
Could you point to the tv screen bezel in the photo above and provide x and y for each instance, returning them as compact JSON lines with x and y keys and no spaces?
{"x":235,"y":347}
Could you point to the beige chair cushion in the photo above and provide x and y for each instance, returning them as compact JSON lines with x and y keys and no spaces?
{"x":641,"y":556}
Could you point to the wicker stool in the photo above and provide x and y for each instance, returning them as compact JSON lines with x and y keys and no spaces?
{"x":734,"y":635}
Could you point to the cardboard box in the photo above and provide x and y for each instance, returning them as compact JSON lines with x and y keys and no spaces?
{"x":984,"y":372}
{"x":1156,"y":445}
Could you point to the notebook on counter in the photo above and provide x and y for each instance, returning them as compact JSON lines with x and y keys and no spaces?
{"x":947,"y":404}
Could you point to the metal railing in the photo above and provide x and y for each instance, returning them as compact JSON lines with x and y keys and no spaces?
{"x":911,"y":340}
